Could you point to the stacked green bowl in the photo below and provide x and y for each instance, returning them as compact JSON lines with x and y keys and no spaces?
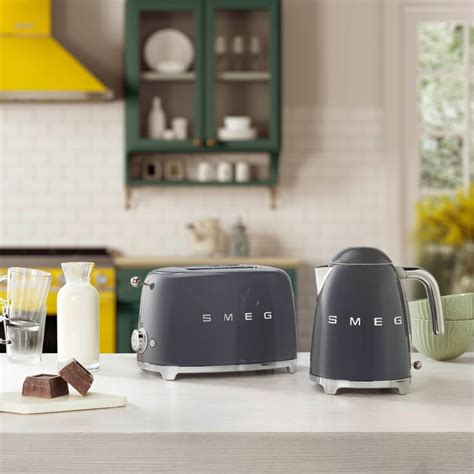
{"x":458,"y":327}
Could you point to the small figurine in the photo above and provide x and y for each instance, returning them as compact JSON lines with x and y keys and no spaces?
{"x":207,"y":238}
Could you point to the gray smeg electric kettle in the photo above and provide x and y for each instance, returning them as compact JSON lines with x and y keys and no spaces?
{"x":361,"y":333}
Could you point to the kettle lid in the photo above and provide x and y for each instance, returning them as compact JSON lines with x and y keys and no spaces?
{"x":361,"y":256}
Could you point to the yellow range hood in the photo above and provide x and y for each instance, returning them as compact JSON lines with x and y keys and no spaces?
{"x":33,"y":65}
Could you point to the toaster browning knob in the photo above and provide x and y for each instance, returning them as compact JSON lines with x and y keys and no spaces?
{"x":139,"y":340}
{"x":417,"y":365}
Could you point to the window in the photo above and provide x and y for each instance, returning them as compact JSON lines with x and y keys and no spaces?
{"x":445,"y":89}
{"x":429,"y":110}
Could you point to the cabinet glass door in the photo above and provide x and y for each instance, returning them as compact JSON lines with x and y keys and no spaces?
{"x":164,"y":74}
{"x":242,"y":74}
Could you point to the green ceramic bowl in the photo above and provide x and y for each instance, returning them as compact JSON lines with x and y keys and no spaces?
{"x":455,"y":307}
{"x":455,"y":341}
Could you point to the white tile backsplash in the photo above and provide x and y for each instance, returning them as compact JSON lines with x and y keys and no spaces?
{"x":62,"y":183}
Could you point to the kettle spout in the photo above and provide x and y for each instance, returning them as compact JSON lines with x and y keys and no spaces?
{"x":321,"y":274}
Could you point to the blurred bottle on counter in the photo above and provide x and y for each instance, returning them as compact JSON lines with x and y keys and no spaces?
{"x":239,"y":241}
{"x":78,"y":317}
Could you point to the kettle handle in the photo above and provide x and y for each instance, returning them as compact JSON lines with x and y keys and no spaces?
{"x":432,"y":290}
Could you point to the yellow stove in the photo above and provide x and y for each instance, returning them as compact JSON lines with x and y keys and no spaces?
{"x":49,"y":260}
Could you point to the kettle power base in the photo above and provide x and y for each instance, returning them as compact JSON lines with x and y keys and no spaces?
{"x":170,"y":372}
{"x":331,"y":386}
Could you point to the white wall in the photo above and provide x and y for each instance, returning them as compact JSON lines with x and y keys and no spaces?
{"x":61,"y":165}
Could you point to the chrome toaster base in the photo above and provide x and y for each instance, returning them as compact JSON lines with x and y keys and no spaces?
{"x":331,"y":386}
{"x":169,"y":372}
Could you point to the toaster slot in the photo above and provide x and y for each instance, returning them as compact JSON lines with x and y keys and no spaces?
{"x":224,"y":267}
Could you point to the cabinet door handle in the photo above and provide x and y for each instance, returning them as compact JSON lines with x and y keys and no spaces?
{"x":198,"y":142}
{"x":211,"y":142}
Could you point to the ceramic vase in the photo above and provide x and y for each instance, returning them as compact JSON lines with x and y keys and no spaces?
{"x":156,"y":120}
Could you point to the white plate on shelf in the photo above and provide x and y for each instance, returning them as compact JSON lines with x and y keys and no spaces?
{"x":168,"y":50}
{"x":227,"y":134}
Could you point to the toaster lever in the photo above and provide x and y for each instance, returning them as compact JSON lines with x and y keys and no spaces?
{"x":137,"y":282}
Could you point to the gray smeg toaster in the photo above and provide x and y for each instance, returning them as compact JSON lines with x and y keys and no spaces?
{"x":215,"y":319}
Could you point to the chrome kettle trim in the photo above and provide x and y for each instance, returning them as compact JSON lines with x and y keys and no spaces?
{"x":322,"y":273}
{"x":432,"y":291}
{"x":332,"y":386}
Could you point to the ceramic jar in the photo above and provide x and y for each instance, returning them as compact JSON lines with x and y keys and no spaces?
{"x":225,"y":172}
{"x":242,"y":172}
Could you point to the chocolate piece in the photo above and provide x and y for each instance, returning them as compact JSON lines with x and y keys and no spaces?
{"x":78,"y":376}
{"x":44,"y":386}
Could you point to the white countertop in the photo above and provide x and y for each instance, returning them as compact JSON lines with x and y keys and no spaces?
{"x":440,"y":399}
{"x":283,"y":407}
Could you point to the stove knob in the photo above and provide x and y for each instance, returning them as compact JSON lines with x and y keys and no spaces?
{"x":101,"y":279}
{"x":139,"y":340}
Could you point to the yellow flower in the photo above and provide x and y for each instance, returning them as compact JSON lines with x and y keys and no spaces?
{"x":446,"y":220}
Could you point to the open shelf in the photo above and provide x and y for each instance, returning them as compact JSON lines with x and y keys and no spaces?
{"x":171,"y":169}
{"x":149,"y":182}
{"x":244,"y":76}
{"x":186,"y":146}
{"x":164,"y":77}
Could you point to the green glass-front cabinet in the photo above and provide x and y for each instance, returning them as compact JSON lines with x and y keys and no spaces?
{"x":234,"y":72}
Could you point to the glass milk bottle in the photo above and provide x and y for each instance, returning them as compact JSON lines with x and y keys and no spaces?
{"x":78,"y":317}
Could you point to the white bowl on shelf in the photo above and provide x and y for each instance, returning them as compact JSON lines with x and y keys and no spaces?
{"x":237,"y":123}
{"x":226,"y":134}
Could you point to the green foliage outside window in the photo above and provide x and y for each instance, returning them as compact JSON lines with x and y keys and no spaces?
{"x":443,"y":108}
{"x":440,"y":46}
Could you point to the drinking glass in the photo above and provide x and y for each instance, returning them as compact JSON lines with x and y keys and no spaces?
{"x":220,"y":49}
{"x":238,"y":49}
{"x":255,"y":50}
{"x":24,"y":313}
